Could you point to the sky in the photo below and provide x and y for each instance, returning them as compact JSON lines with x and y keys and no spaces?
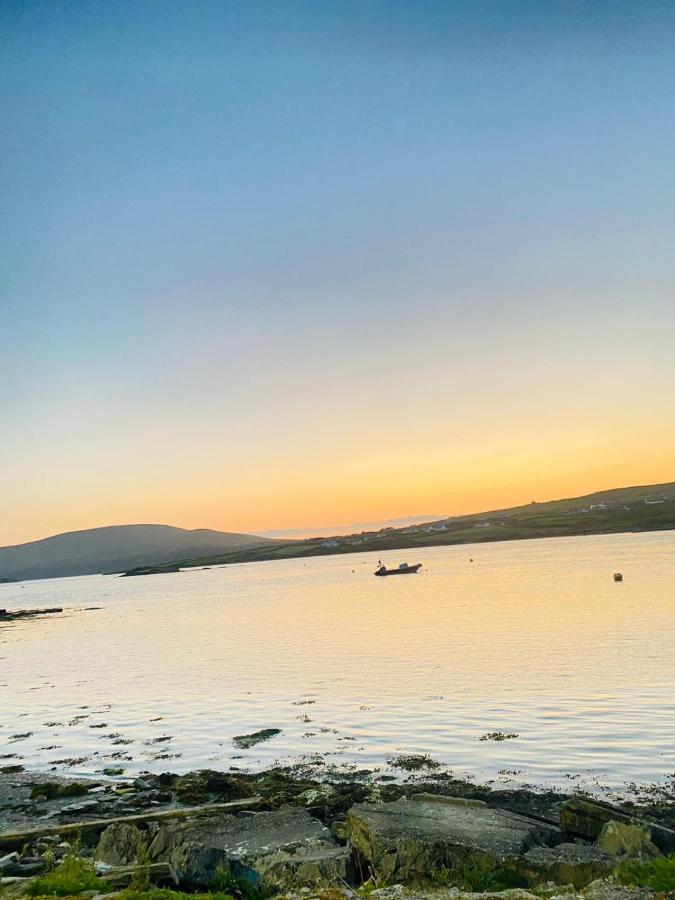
{"x":274,"y":265}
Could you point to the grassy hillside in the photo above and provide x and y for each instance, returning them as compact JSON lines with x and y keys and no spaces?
{"x":650,"y":508}
{"x":114,"y":549}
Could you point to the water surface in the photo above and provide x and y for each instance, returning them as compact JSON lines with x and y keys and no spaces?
{"x":532,"y":638}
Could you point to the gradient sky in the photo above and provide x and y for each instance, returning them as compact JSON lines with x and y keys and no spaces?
{"x":271,"y":265}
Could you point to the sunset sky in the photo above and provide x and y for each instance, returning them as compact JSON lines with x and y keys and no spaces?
{"x":277,"y":265}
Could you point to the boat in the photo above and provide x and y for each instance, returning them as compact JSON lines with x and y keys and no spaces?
{"x":403,"y":569}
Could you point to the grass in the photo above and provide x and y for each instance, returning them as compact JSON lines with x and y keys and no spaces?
{"x":73,"y":876}
{"x":167,"y":894}
{"x":656,"y":874}
{"x":479,"y":874}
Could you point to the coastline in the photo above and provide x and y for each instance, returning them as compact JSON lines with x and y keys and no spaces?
{"x":335,"y":813}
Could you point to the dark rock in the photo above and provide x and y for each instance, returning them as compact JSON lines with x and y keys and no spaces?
{"x":275,"y":850}
{"x":244,"y":741}
{"x":8,"y":860}
{"x":586,"y":819}
{"x":23,"y":869}
{"x":198,"y":787}
{"x":576,"y":864}
{"x":53,"y":790}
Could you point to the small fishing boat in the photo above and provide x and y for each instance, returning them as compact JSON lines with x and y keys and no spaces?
{"x":403,"y":569}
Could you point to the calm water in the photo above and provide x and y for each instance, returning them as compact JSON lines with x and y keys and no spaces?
{"x":533,"y":638}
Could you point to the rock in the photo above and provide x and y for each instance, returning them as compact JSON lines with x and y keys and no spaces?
{"x":24,"y":869}
{"x":454,"y":801}
{"x":622,"y":839}
{"x":401,"y":892}
{"x":8,"y":860}
{"x":119,"y":843}
{"x":118,"y":877}
{"x":575,"y":864}
{"x":317,"y":796}
{"x":608,"y":889}
{"x":86,"y":806}
{"x":605,"y":889}
{"x":409,"y":840}
{"x":246,"y":741}
{"x":200,"y":786}
{"x":586,"y":819}
{"x":274,"y":850}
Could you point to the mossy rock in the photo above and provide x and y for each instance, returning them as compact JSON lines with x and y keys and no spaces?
{"x":206,"y":784}
{"x":622,"y":839}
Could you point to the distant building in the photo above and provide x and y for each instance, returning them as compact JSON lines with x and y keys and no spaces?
{"x":330,"y":544}
{"x":482,"y":525}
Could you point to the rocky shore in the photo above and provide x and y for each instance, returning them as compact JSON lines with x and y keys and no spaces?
{"x":287,"y":831}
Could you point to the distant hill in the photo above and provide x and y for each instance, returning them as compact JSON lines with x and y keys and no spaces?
{"x":115,"y":549}
{"x":646,"y":508}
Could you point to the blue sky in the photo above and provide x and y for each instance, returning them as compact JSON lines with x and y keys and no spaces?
{"x":235,"y":237}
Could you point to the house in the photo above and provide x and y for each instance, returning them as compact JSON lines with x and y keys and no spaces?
{"x":330,"y":544}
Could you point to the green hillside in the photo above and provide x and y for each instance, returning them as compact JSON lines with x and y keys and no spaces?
{"x":649,"y":508}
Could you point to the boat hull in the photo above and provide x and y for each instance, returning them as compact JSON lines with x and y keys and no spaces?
{"x":409,"y":571}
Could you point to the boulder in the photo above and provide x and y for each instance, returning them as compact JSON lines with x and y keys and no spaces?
{"x":119,"y":843}
{"x":586,"y":819}
{"x":9,"y":860}
{"x":411,"y":840}
{"x":622,"y":839}
{"x":274,"y":850}
{"x":575,"y":864}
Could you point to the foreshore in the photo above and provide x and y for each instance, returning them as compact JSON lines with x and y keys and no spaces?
{"x":294,"y":829}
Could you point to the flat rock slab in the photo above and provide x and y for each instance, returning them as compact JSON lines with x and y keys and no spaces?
{"x":281,"y":849}
{"x":409,"y":840}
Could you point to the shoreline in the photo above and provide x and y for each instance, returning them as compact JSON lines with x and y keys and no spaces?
{"x":335,"y":813}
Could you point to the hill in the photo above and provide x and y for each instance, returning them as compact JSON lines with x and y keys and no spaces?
{"x":645,"y":508}
{"x":115,"y":549}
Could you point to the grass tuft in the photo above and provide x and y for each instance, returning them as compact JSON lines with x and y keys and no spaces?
{"x":73,"y":876}
{"x":656,"y":874}
{"x":480,"y":875}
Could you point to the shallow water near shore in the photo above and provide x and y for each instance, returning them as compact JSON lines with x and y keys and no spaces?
{"x":532,"y":638}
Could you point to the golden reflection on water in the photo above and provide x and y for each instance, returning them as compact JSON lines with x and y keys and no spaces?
{"x":533,"y":637}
